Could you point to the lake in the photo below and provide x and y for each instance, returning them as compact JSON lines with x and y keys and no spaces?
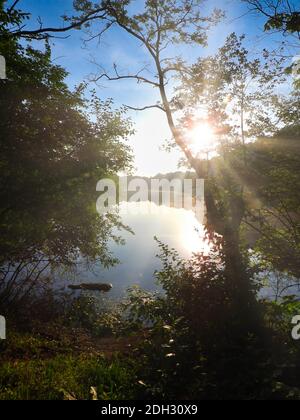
{"x":177,"y":228}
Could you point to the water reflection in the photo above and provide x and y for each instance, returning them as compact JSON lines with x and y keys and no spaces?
{"x":177,"y":228}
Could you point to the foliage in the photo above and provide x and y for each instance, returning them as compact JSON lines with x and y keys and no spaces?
{"x":199,"y":334}
{"x":234,"y":90}
{"x":100,"y":316}
{"x":258,"y":130}
{"x":180,"y":21}
{"x":156,"y":26}
{"x":52,"y":156}
{"x":281,"y":15}
{"x":273,"y":200}
{"x":198,"y":345}
{"x":207,"y":336}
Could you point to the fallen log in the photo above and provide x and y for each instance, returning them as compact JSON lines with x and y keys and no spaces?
{"x":96,"y":287}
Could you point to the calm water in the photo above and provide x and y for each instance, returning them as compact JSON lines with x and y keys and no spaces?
{"x":177,"y":228}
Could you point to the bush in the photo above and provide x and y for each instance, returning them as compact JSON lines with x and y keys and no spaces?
{"x":202,"y":344}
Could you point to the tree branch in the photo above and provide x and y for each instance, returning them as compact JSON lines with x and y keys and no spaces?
{"x":146,"y":107}
{"x":131,"y":31}
{"x":136,"y":76}
{"x":43,"y":33}
{"x":12,"y":7}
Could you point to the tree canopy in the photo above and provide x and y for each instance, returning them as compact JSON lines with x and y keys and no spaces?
{"x":53,"y":155}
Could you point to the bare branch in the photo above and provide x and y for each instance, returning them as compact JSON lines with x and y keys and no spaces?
{"x":137,"y":77}
{"x":291,"y":286}
{"x":132,"y":32}
{"x":146,"y":108}
{"x":177,"y":69}
{"x":99,"y":35}
{"x":12,"y":7}
{"x":43,"y":33}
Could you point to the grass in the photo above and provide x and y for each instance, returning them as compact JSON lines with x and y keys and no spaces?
{"x":24,"y":346}
{"x":64,"y":377}
{"x":34,"y":368}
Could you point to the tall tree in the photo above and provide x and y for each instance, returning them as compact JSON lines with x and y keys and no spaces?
{"x":52,"y":156}
{"x":236,"y":91}
{"x":158,"y":25}
{"x":240,"y":94}
{"x":178,"y":22}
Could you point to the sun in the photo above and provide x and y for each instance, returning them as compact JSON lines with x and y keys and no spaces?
{"x":202,"y":138}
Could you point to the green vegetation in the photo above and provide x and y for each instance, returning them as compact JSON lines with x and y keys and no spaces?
{"x":190,"y":343}
{"x":52,"y":156}
{"x":199,"y":345}
{"x":64,"y":358}
{"x":52,"y":379}
{"x":210,"y":334}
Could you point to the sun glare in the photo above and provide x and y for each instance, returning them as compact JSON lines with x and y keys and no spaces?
{"x":202,"y":138}
{"x":193,"y":235}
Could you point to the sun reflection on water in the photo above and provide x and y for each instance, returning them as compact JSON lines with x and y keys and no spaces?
{"x":192,"y":234}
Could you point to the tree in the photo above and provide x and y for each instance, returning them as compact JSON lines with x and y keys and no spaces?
{"x":13,"y":22}
{"x":274,"y":214}
{"x":236,"y":92}
{"x":257,"y":129}
{"x":160,"y":24}
{"x":197,"y":347}
{"x":279,"y":219}
{"x":180,"y":22}
{"x":282,"y":15}
{"x":52,"y":156}
{"x":238,"y":95}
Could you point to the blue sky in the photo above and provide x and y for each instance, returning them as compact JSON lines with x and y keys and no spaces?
{"x":117,"y":47}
